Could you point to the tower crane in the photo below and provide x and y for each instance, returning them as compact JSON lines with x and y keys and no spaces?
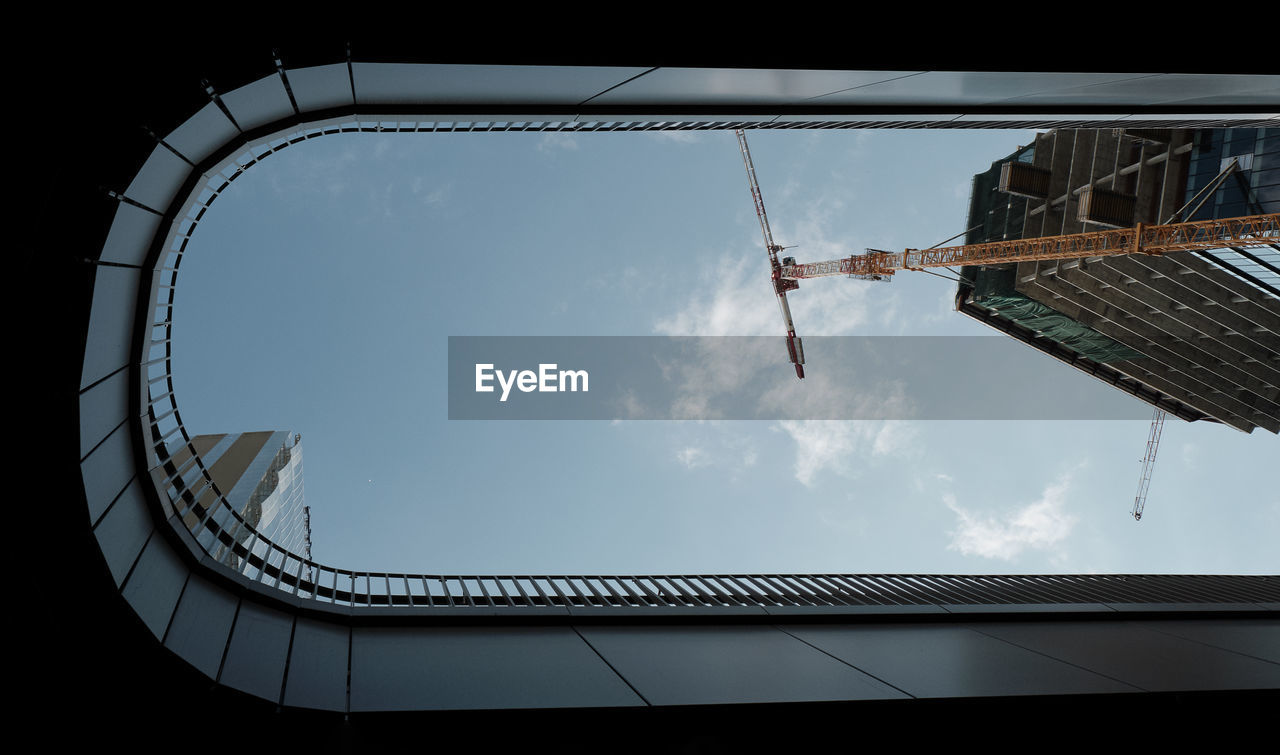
{"x":879,"y":265}
{"x":781,"y":285}
{"x":1250,"y":231}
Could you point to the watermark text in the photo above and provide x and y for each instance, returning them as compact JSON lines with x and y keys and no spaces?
{"x":548,"y":379}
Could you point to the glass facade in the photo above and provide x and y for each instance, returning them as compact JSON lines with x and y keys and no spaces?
{"x":260,"y":475}
{"x":1255,"y":186}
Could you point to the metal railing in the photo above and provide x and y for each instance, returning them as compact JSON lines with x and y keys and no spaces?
{"x":191,"y":500}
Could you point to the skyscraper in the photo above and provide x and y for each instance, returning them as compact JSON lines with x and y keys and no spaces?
{"x":260,"y":475}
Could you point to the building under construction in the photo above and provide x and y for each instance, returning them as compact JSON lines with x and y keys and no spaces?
{"x":1196,"y":334}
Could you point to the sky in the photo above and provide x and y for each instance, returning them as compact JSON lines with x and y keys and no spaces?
{"x":319,"y":292}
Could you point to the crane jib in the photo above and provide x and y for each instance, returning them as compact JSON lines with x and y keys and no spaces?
{"x":1249,"y":231}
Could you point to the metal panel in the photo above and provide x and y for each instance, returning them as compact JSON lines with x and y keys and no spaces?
{"x":428,"y":668}
{"x":320,"y":87}
{"x":155,"y":585}
{"x":1165,"y":89}
{"x":200,"y":135}
{"x":124,"y":530}
{"x":158,"y":182}
{"x":259,"y":646}
{"x":951,"y":661}
{"x":107,"y":470}
{"x":961,"y":88}
{"x":1260,"y":639}
{"x":404,"y":83}
{"x":130,"y":236}
{"x":115,"y":292}
{"x":1150,"y":660}
{"x":318,"y":666}
{"x":728,"y":664}
{"x":259,"y":103}
{"x":728,"y":86}
{"x":643,"y":120}
{"x":889,"y":120}
{"x":1031,"y":608}
{"x":201,"y":624}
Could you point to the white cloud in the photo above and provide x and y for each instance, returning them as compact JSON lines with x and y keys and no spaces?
{"x":829,"y":394}
{"x":734,"y":297}
{"x":628,"y":406}
{"x":679,"y":137}
{"x":943,"y":308}
{"x":709,"y":443}
{"x":836,"y":446}
{"x":1190,"y":455}
{"x":1040,"y":525}
{"x":820,"y":445}
{"x":692,"y":457}
{"x":920,"y":481}
{"x":893,"y":436}
{"x":553,"y":141}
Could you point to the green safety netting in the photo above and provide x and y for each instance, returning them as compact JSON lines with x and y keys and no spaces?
{"x":1056,"y":326}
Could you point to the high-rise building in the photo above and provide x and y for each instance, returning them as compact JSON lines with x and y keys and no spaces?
{"x":260,"y":475}
{"x":1195,"y":334}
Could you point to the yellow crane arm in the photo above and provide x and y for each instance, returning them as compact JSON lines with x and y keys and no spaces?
{"x":1252,"y":230}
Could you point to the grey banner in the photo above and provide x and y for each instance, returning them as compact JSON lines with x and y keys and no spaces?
{"x":731,"y":377}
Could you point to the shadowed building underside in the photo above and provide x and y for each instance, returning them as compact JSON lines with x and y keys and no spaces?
{"x":1195,"y":334}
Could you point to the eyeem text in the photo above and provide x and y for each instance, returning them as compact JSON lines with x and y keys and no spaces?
{"x":548,"y":379}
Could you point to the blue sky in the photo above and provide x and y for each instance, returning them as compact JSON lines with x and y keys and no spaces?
{"x":321,"y":288}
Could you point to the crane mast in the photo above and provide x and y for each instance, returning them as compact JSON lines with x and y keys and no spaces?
{"x":781,"y":284}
